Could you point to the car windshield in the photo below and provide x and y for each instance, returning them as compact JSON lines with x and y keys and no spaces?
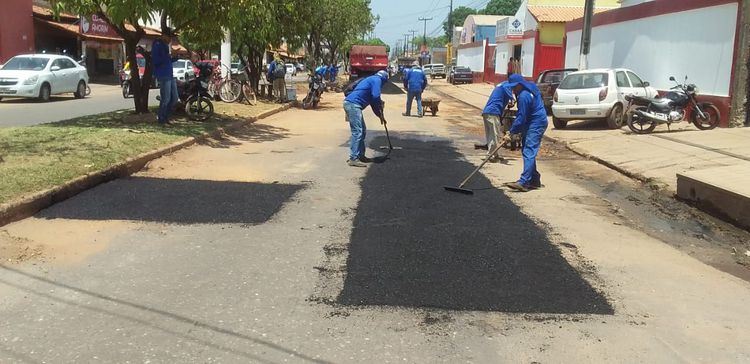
{"x":178,"y":64}
{"x":584,"y":80}
{"x":555,"y":76}
{"x":26,"y":64}
{"x":462,"y":69}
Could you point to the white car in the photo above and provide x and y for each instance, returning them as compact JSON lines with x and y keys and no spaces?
{"x":597,"y":94}
{"x":42,"y":75}
{"x":182,"y":70}
{"x":291,"y":69}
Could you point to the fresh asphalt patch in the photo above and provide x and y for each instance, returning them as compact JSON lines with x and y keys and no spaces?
{"x":179,"y":201}
{"x":414,"y":244}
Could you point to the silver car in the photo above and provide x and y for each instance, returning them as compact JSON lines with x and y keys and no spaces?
{"x":42,"y":75}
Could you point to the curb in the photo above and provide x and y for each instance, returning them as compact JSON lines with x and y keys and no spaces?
{"x":31,"y":204}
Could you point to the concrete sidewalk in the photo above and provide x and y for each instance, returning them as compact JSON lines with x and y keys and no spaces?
{"x":657,"y":158}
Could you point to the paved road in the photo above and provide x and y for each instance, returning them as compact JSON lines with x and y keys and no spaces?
{"x":265,"y":247}
{"x":103,"y":98}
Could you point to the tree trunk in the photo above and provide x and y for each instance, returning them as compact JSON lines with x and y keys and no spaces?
{"x":741,"y":82}
{"x":139,"y":87}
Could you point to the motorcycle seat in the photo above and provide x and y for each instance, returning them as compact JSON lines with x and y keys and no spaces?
{"x":646,"y":100}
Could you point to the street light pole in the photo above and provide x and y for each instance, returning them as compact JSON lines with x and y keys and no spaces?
{"x":406,"y":43}
{"x":413,"y":37}
{"x":424,"y":43}
{"x":588,"y":13}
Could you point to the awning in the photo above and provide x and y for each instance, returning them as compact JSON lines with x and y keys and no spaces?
{"x":73,"y":30}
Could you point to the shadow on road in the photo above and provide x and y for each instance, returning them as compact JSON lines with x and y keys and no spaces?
{"x":417,"y":245}
{"x":253,"y":133}
{"x":176,"y":201}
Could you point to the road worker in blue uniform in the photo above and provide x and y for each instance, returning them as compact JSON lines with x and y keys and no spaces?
{"x":414,"y":83}
{"x":367,"y":93}
{"x":531,"y":123}
{"x":500,"y":97}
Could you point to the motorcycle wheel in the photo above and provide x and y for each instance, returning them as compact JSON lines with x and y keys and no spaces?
{"x":199,"y":108}
{"x":640,"y":125}
{"x":126,"y":90}
{"x":306,"y":104}
{"x":712,"y":120}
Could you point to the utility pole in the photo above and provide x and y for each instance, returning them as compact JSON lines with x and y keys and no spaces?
{"x":588,"y":13}
{"x":738,"y":115}
{"x":424,"y":43}
{"x":450,"y":34}
{"x":406,"y":43}
{"x":413,"y":37}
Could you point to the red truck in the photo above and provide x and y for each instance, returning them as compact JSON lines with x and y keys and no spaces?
{"x":365,"y":60}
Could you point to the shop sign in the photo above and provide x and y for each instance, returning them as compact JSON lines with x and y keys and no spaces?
{"x":97,"y":26}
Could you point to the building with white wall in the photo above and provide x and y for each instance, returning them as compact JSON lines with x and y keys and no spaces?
{"x":662,"y":38}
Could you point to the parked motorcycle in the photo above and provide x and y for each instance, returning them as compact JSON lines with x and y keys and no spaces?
{"x":194,"y":94}
{"x":316,"y":89}
{"x":679,"y":104}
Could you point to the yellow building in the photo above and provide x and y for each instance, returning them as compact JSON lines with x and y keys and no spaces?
{"x":534,"y":36}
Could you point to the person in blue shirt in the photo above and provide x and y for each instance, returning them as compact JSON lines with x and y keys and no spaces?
{"x":367,"y":93}
{"x":271,"y":68}
{"x":531,"y":123}
{"x":321,"y":70}
{"x":500,"y":97}
{"x":334,"y":72}
{"x":168,"y":95}
{"x":415,"y":83}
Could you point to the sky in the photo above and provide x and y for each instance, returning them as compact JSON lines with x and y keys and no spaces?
{"x":397,"y":17}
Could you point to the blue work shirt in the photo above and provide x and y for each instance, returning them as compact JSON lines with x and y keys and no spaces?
{"x":320,"y":71}
{"x":367,"y":92}
{"x":161,"y":59}
{"x":415,"y":81}
{"x":499,"y":98}
{"x":271,"y":68}
{"x":531,"y":112}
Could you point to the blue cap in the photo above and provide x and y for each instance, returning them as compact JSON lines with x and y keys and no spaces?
{"x":383,"y":75}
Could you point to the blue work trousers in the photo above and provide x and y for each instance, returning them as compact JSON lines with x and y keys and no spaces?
{"x":358,"y":128}
{"x":532,"y":141}
{"x":168,"y":98}
{"x":410,"y":96}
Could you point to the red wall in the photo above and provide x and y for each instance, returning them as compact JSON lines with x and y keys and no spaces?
{"x":16,"y":29}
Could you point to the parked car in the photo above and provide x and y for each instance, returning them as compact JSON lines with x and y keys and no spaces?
{"x":42,"y":75}
{"x":597,"y":94}
{"x":291,"y":69}
{"x":436,"y":70}
{"x":460,"y":74}
{"x":183,"y":70}
{"x":548,"y":81}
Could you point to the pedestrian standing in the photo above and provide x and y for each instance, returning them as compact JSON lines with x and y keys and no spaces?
{"x":531,"y":123}
{"x":511,"y":66}
{"x":270,"y":77}
{"x":168,"y":95}
{"x":500,"y":97}
{"x":415,"y":83}
{"x":366,"y":93}
{"x":279,"y":80}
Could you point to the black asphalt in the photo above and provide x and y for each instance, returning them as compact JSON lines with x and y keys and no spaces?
{"x":416,"y":245}
{"x":176,"y":201}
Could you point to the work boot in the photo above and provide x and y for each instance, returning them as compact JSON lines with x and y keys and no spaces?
{"x":405,"y":114}
{"x":516,"y":186}
{"x":355,"y":163}
{"x":364,"y":159}
{"x":536,"y":186}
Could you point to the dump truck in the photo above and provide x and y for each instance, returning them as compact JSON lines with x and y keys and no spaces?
{"x":366,"y":60}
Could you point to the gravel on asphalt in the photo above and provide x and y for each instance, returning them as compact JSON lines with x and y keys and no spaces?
{"x":414,"y":244}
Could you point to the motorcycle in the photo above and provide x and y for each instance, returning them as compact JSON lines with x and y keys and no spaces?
{"x":316,"y":89}
{"x":644,"y":114}
{"x":194,"y":94}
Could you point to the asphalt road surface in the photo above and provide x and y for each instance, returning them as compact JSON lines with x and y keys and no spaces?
{"x":103,"y":98}
{"x":263,"y":246}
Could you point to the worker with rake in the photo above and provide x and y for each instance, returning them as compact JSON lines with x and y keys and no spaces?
{"x":531,"y":123}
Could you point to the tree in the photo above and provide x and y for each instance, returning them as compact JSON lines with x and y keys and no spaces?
{"x":457,"y":19}
{"x":502,"y":7}
{"x":436,"y":42}
{"x":202,"y":17}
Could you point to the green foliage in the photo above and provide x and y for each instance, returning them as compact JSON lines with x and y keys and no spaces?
{"x":457,"y":19}
{"x":502,"y":7}
{"x":432,"y":42}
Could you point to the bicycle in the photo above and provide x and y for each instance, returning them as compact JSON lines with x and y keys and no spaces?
{"x":248,"y":91}
{"x":227,"y":89}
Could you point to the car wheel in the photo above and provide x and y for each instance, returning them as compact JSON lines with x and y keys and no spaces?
{"x":559,"y":123}
{"x":80,"y":90}
{"x":44,"y":92}
{"x":614,"y":121}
